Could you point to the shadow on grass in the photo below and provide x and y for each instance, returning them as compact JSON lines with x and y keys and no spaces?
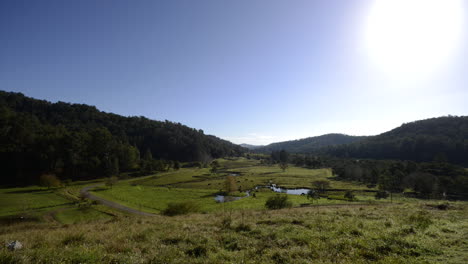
{"x":99,"y":189}
{"x":31,"y":191}
{"x":14,"y":219}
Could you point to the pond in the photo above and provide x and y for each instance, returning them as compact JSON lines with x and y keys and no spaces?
{"x":299,"y":191}
{"x":273,"y":187}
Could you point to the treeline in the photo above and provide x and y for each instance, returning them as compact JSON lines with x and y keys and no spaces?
{"x":425,"y":179}
{"x":310,"y":144}
{"x":443,"y":139}
{"x":77,"y":141}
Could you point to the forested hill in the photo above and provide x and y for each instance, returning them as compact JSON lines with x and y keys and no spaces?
{"x":435,"y":139}
{"x":311,"y":144}
{"x":79,"y":141}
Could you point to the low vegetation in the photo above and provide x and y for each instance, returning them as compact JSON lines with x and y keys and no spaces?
{"x":180,"y":208}
{"x":338,"y":220}
{"x":278,"y":202}
{"x":397,"y":233}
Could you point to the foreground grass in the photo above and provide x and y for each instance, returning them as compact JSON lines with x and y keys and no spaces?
{"x":80,"y":215}
{"x":408,"y":233}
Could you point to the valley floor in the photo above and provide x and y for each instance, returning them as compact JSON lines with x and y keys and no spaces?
{"x":56,"y":226}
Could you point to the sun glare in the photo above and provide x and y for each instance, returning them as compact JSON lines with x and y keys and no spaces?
{"x":413,"y":36}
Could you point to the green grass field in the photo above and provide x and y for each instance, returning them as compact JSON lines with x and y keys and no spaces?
{"x":398,"y":233}
{"x":81,"y":215}
{"x":28,"y":199}
{"x":153,"y":193}
{"x":61,"y":228}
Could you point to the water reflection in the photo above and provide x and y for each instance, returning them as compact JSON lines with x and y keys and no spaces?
{"x":273,"y":187}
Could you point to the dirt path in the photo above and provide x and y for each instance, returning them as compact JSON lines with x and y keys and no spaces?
{"x":85,"y":193}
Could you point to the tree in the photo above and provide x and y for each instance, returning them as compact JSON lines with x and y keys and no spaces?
{"x":321,"y":185}
{"x":214,"y":166}
{"x":128,"y":157}
{"x":147,"y":163}
{"x":230,"y":184}
{"x":283,"y":166}
{"x":111,"y":181}
{"x":421,"y":182}
{"x":313,"y":194}
{"x":176,"y":165}
{"x":112,"y":167}
{"x":49,"y":180}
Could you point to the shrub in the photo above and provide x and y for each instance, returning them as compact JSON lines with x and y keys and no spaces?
{"x":278,"y":202}
{"x":180,"y":208}
{"x":349,"y":195}
{"x":199,"y":251}
{"x":243,"y":228}
{"x":381,"y":195}
{"x":49,"y":180}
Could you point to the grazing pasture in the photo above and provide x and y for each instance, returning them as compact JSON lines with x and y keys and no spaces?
{"x":60,"y":226}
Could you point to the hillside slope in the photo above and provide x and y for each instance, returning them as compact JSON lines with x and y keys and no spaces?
{"x":79,"y":141}
{"x":310,"y":144}
{"x":440,"y":139}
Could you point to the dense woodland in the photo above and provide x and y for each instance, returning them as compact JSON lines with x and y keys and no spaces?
{"x":77,"y":141}
{"x":420,"y":179}
{"x":310,"y":144}
{"x":443,"y":139}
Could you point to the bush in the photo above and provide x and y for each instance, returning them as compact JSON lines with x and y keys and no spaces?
{"x":349,"y":195}
{"x":278,"y":202}
{"x":199,"y":251}
{"x":243,"y":228}
{"x":180,"y":208}
{"x":381,"y":195}
{"x":49,"y":180}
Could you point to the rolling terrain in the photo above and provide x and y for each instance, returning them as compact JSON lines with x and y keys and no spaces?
{"x":435,"y":139}
{"x":62,"y":227}
{"x":309,"y":145}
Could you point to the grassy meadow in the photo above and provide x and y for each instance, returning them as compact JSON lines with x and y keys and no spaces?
{"x":57,"y":226}
{"x":397,"y":233}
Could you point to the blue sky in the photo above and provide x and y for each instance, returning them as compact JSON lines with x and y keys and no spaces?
{"x":248,"y":71}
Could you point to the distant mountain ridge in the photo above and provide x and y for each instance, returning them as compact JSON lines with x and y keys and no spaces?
{"x":310,"y":144}
{"x":434,"y":139}
{"x":251,"y":147}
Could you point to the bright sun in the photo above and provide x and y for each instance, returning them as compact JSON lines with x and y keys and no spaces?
{"x":413,"y":36}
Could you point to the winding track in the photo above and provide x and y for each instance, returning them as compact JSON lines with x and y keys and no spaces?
{"x":85,"y":193}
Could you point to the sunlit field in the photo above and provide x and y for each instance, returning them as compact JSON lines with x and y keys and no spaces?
{"x":59,"y":226}
{"x":19,"y":200}
{"x":403,"y":233}
{"x":153,"y":194}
